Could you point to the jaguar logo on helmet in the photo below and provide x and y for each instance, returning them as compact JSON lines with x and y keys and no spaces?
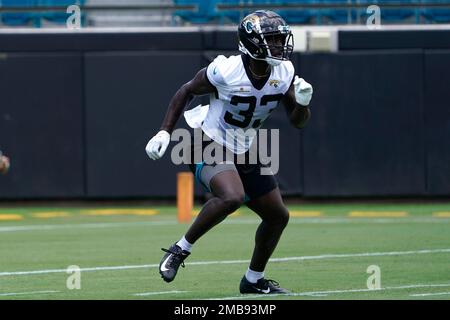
{"x":248,"y":26}
{"x":251,"y":23}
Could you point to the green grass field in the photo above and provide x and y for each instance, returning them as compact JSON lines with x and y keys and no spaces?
{"x":323,"y":254}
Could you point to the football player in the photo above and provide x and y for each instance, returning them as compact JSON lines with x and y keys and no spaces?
{"x":243,"y":90}
{"x":4,"y":163}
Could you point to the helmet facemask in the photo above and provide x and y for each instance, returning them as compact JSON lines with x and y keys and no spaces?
{"x":277,"y":50}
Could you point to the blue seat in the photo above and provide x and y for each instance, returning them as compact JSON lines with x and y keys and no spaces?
{"x":207,"y":11}
{"x":58,"y":17}
{"x":394,"y":14}
{"x":231,"y":15}
{"x":23,"y":19}
{"x":205,"y":14}
{"x":337,"y":16}
{"x":292,"y":16}
{"x":296,"y":16}
{"x":20,"y":18}
{"x":436,"y":15}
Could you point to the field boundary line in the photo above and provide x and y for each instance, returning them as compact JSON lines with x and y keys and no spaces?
{"x":27,"y":293}
{"x":145,"y":294}
{"x":301,"y":258}
{"x":429,"y":294}
{"x":327,"y":292}
{"x":93,"y":225}
{"x":293,"y":220}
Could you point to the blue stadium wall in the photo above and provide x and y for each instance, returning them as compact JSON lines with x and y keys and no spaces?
{"x":77,"y":109}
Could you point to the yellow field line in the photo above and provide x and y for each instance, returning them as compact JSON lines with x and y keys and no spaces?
{"x":10,"y":217}
{"x":305,"y":214}
{"x":442,"y":214}
{"x":50,"y":214}
{"x":378,"y":214}
{"x":110,"y":212}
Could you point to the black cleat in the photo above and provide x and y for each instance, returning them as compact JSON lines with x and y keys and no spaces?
{"x":171,"y":261}
{"x":263,"y":286}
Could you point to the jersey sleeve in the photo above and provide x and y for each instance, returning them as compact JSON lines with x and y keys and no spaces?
{"x":290,"y":72}
{"x":214,"y":74}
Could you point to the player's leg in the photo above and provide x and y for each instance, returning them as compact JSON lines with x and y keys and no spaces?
{"x":275,"y":217}
{"x":228,"y":195}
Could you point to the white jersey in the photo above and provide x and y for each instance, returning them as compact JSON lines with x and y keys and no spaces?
{"x":238,"y":106}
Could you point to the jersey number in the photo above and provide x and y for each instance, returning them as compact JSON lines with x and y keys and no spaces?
{"x":248,"y":114}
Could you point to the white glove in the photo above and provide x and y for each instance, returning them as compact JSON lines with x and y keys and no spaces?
{"x":157,"y":145}
{"x":303,"y":91}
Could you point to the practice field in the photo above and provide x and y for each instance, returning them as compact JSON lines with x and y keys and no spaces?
{"x":324,"y":253}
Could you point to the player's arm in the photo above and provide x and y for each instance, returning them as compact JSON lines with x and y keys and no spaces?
{"x":199,"y":85}
{"x":296,"y":101}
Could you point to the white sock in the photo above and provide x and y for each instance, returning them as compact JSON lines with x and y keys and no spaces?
{"x":253,"y":276}
{"x":184,"y":244}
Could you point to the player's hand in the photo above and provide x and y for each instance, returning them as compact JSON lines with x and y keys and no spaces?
{"x":157,"y":145}
{"x":303,"y":91}
{"x":4,"y":164}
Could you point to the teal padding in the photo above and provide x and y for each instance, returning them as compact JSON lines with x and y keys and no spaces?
{"x":198,"y":170}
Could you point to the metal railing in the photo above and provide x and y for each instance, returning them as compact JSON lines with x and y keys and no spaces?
{"x":90,"y":8}
{"x":243,"y":7}
{"x":334,"y":5}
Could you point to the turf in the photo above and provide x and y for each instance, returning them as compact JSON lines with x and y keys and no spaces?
{"x":122,"y":238}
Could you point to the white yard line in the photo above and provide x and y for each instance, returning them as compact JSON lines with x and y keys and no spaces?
{"x":26,"y":293}
{"x":429,"y":294}
{"x":325,"y":293}
{"x":144,"y":294}
{"x":237,"y":221}
{"x":318,"y":257}
{"x":42,"y":227}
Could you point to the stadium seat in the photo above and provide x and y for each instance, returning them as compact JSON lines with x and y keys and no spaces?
{"x":436,"y":15}
{"x":297,"y":16}
{"x":57,"y":17}
{"x":21,"y":18}
{"x":25,"y":18}
{"x":207,"y":11}
{"x":336,"y":16}
{"x":205,"y":14}
{"x":393,"y":15}
{"x":292,"y":16}
{"x":231,"y":15}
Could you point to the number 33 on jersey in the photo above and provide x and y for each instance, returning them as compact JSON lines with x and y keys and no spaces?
{"x":238,"y":104}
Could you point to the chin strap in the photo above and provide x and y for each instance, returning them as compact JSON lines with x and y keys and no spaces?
{"x":273,"y":62}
